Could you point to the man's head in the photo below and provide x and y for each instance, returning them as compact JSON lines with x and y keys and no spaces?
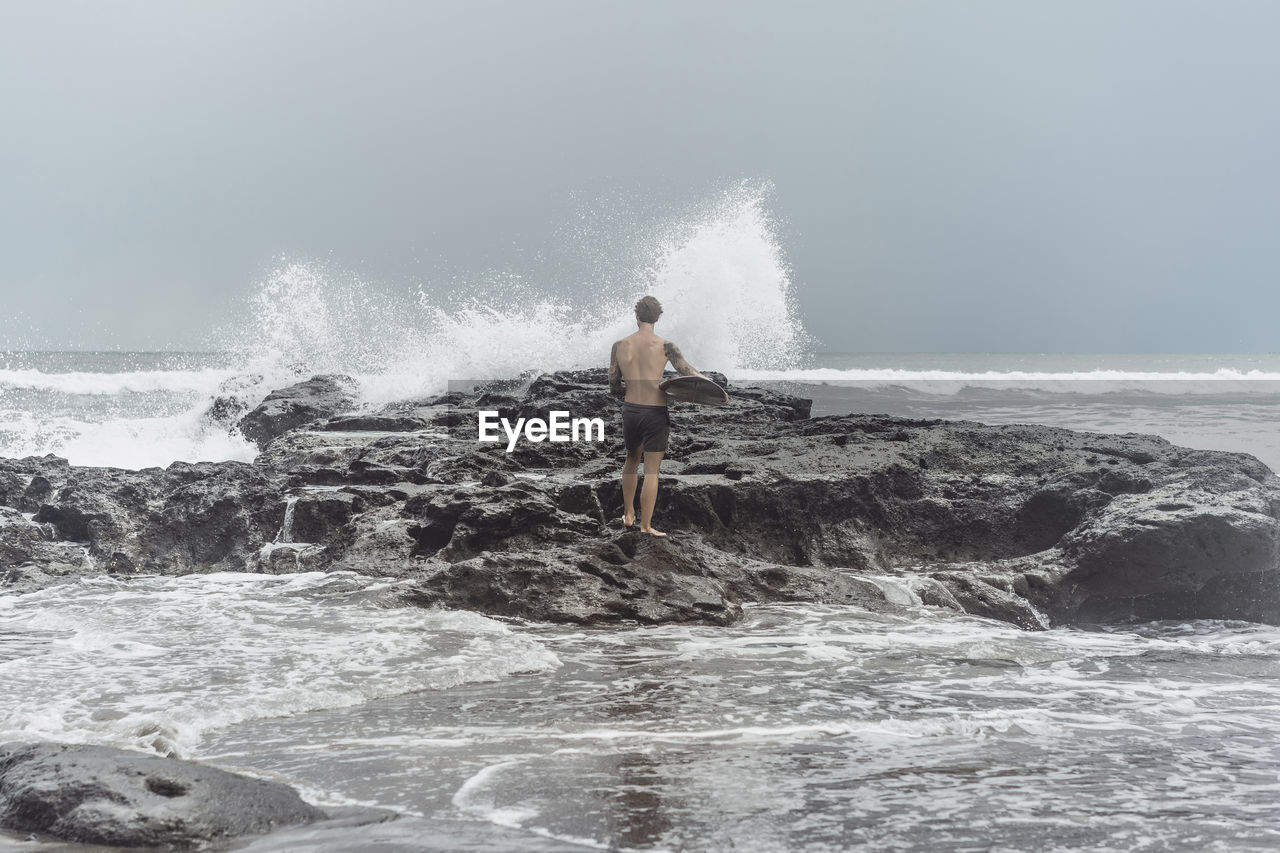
{"x":648,"y":310}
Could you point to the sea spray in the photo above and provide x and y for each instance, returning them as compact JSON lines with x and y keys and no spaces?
{"x":721,"y":276}
{"x":726,"y":291}
{"x":719,"y":270}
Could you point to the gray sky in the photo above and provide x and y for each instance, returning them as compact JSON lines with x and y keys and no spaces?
{"x":949,"y":176}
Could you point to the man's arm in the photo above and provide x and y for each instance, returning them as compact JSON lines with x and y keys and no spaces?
{"x":616,"y":385}
{"x":677,"y":360}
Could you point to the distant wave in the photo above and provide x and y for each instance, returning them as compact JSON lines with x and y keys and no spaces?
{"x":1218,"y":382}
{"x":889,"y":375}
{"x":88,"y":382}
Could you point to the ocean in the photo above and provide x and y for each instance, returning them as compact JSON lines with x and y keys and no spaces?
{"x":800,"y":728}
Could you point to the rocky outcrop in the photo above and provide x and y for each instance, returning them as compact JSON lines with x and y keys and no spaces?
{"x":289,"y":408}
{"x":634,"y":578}
{"x":100,"y":795}
{"x":1032,"y":525}
{"x":186,"y":518}
{"x":32,"y":554}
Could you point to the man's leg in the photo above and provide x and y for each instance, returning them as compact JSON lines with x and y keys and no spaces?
{"x":649,"y":494}
{"x":629,"y":469}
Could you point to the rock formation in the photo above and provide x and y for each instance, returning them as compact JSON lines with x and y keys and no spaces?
{"x":1028,"y":524}
{"x":100,"y":795}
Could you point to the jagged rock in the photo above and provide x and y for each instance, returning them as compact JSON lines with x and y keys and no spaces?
{"x":20,"y":538}
{"x":100,"y":795}
{"x":31,"y":556}
{"x":1173,"y":543}
{"x":977,"y":596}
{"x":25,"y":483}
{"x":201,"y":517}
{"x":231,"y":402}
{"x":1028,"y":524}
{"x":375,"y":423}
{"x":289,"y":408}
{"x":323,"y":516}
{"x":633,"y":577}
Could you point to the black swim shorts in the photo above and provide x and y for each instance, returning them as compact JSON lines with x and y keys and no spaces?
{"x":645,"y":426}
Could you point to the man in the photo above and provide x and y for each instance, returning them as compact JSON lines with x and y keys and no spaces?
{"x":635,"y":368}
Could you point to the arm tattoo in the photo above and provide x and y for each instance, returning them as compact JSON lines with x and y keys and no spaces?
{"x":677,"y":360}
{"x":616,"y":385}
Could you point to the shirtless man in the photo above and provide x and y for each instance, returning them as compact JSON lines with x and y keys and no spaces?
{"x":639,"y":359}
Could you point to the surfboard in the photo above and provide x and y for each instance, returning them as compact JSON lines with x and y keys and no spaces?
{"x":694,"y":389}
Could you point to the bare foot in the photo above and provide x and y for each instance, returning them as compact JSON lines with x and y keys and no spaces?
{"x":628,"y":519}
{"x":652,"y":531}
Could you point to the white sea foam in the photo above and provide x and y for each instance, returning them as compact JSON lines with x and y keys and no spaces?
{"x":891,"y":375}
{"x":122,"y":442}
{"x":1101,"y":381}
{"x":784,"y":730}
{"x":720,"y":274}
{"x":204,"y":381}
{"x":156,"y":663}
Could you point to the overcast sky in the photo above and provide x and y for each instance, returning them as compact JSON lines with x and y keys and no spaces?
{"x":948,"y":176}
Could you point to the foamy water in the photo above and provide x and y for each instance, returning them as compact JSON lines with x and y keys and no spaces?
{"x":802,"y":727}
{"x":825,"y":728}
{"x":1224,"y":380}
{"x":156,"y":663}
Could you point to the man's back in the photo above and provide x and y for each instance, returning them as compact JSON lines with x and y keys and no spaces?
{"x":636,"y":362}
{"x":642,"y":356}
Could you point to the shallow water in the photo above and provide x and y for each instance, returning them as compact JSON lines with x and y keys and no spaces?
{"x":155,"y":662}
{"x":816,"y":728}
{"x":801,"y":728}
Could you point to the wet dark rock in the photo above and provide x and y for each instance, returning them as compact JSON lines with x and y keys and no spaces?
{"x":231,"y":402}
{"x":375,"y":423}
{"x":100,"y":795}
{"x":187,"y":518}
{"x":981,"y":598}
{"x":324,"y":516}
{"x":225,"y":410}
{"x":459,"y":524}
{"x":1174,"y":553}
{"x":634,"y":578}
{"x":1031,"y":525}
{"x":31,"y":556}
{"x":935,"y":593}
{"x":292,"y":407}
{"x":20,"y":537}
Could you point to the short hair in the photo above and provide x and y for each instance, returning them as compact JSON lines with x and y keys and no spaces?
{"x":648,"y":310}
